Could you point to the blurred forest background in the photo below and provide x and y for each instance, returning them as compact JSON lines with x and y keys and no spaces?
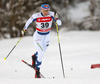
{"x":75,"y":15}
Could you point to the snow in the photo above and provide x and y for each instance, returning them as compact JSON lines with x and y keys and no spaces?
{"x":80,"y":49}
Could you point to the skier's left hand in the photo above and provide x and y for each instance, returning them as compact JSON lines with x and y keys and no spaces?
{"x":58,"y":21}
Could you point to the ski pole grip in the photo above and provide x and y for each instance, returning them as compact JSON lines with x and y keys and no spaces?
{"x":55,"y":12}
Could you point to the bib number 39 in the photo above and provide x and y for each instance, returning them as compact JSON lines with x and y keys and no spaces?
{"x":44,"y":25}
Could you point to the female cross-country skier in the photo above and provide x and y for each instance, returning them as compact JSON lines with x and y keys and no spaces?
{"x":41,"y":36}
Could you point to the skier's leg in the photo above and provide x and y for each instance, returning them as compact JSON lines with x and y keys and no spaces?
{"x":41,"y":47}
{"x":40,"y":51}
{"x":39,"y":59}
{"x":38,"y":45}
{"x":41,"y":43}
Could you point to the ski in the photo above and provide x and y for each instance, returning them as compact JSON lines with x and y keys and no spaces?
{"x":95,"y":66}
{"x":31,"y":67}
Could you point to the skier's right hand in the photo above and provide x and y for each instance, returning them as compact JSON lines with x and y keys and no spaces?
{"x":23,"y":32}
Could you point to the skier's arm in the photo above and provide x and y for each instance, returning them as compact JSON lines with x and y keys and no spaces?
{"x":55,"y":18}
{"x":26,"y":26}
{"x":30,"y":20}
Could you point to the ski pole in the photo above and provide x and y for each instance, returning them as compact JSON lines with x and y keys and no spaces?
{"x":12,"y":49}
{"x":60,"y":50}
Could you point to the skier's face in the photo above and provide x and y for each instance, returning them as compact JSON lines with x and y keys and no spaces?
{"x":45,"y":12}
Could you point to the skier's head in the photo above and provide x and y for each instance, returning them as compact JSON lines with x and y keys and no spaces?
{"x":45,"y":9}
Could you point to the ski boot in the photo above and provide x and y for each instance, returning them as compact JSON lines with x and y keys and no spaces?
{"x":37,"y":73}
{"x":34,"y":61}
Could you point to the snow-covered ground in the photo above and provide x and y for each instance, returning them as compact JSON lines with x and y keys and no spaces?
{"x":80,"y":49}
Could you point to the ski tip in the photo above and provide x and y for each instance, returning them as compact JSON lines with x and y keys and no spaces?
{"x":4,"y":58}
{"x":22,"y":60}
{"x":93,"y":66}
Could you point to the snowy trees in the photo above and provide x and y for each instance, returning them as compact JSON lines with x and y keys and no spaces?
{"x":95,"y":13}
{"x":91,"y":15}
{"x":15,"y":13}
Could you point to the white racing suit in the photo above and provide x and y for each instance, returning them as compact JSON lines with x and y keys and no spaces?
{"x":41,"y":36}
